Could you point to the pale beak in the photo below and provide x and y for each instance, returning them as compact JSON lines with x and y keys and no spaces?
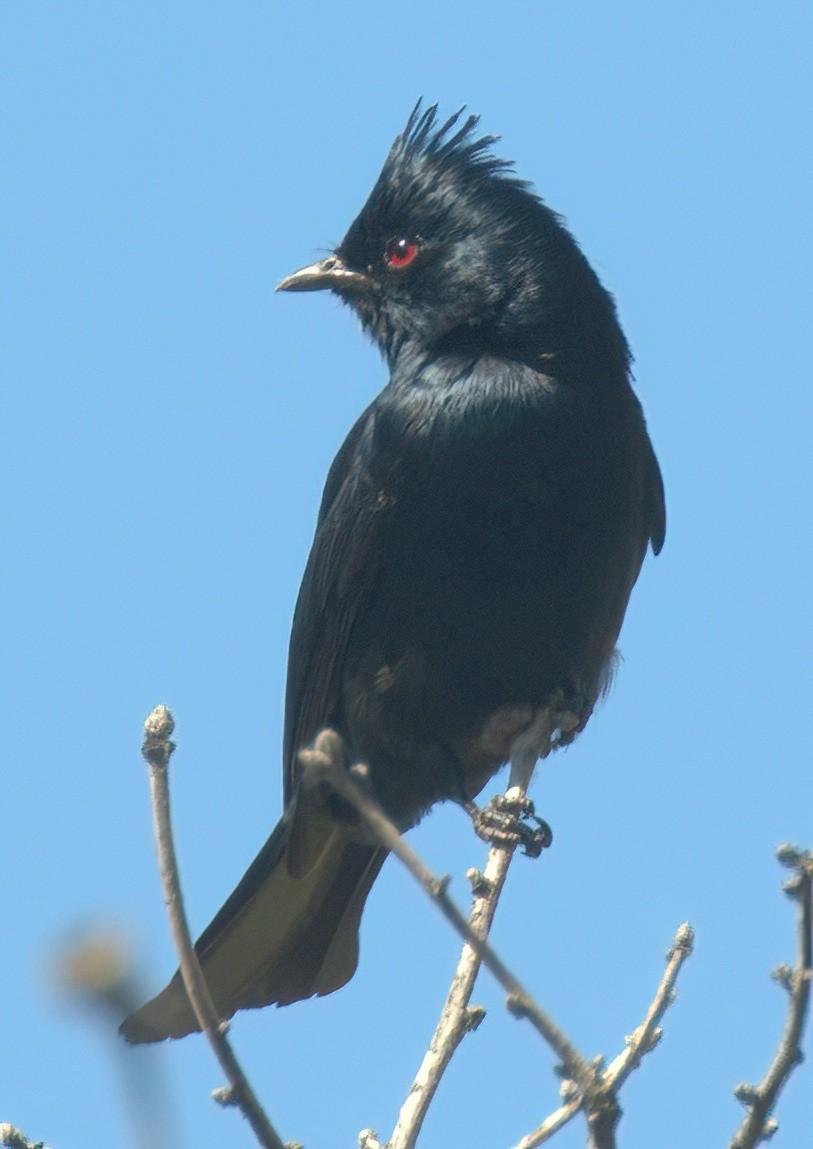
{"x":330,"y":273}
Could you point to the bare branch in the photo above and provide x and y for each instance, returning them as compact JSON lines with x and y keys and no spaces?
{"x":759,"y":1100}
{"x":551,"y":1124}
{"x":648,"y":1034}
{"x":327,"y":758}
{"x":588,"y":1088}
{"x":457,"y":1018}
{"x":598,"y":1100}
{"x":157,"y":750}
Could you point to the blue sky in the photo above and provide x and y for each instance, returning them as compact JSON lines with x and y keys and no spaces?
{"x":166,"y":426}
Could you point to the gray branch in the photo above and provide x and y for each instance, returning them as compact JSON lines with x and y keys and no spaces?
{"x":157,"y":750}
{"x":589,"y":1087}
{"x":599,"y":1101}
{"x":759,"y":1100}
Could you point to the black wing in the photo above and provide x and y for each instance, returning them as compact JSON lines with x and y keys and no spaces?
{"x":338,"y":579}
{"x":657,"y":501}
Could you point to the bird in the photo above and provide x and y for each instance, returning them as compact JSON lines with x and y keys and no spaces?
{"x":480,"y":532}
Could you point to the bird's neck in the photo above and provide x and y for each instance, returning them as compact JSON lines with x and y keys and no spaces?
{"x":584,"y":354}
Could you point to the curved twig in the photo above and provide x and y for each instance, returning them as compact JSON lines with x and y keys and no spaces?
{"x":758,"y":1123}
{"x":157,"y":750}
{"x":599,"y":1102}
{"x":327,"y":758}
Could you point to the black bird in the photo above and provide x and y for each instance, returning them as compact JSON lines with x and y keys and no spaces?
{"x":481,"y":529}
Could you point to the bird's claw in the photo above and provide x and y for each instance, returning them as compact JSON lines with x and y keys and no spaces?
{"x":511,"y":821}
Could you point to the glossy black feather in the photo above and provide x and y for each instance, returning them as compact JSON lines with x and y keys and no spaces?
{"x":485,"y":521}
{"x":480,"y":533}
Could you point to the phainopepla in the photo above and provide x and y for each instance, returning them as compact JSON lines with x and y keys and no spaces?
{"x":480,"y":532}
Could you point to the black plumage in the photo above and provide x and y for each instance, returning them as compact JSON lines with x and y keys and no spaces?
{"x":481,"y":529}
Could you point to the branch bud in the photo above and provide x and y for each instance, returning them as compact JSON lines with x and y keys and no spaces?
{"x":746,"y":1094}
{"x":791,"y":857}
{"x":480,"y":885}
{"x":769,"y":1128}
{"x":224,"y":1095}
{"x":475,"y":1015}
{"x":783,"y":975}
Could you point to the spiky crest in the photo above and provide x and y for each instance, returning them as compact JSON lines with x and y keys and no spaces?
{"x":424,"y":139}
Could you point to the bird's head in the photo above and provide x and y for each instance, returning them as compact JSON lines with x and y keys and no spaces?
{"x":453,"y":252}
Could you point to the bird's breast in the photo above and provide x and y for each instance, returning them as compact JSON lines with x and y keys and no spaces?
{"x":509,"y":519}
{"x":509,"y":525}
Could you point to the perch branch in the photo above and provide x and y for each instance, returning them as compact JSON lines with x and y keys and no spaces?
{"x":327,"y":759}
{"x":457,"y":1017}
{"x":759,"y":1124}
{"x":157,"y":750}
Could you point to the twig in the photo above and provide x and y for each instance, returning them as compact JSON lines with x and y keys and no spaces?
{"x":600,"y":1101}
{"x":588,"y":1087}
{"x":457,"y":1018}
{"x":551,"y":1124}
{"x":323,"y":757}
{"x":648,"y":1033}
{"x":327,"y":758}
{"x":157,"y":750}
{"x":758,"y":1123}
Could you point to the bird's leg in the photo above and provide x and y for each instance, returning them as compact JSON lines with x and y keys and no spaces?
{"x":553,"y":725}
{"x":511,"y":817}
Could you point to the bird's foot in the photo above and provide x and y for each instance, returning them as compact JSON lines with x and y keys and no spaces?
{"x":511,"y":821}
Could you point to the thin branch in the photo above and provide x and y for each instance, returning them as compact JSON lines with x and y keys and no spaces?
{"x":457,"y":1018}
{"x":551,"y":1125}
{"x":648,"y":1033}
{"x":759,"y":1100}
{"x":326,"y":759}
{"x":157,"y":750}
{"x":599,"y":1102}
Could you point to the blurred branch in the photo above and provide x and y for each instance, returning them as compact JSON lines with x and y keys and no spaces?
{"x":759,"y":1100}
{"x":94,"y":969}
{"x":157,"y":750}
{"x":11,"y":1138}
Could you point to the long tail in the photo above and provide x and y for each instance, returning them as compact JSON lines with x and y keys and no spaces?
{"x":278,"y":939}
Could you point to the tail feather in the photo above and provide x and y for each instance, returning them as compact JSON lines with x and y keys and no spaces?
{"x":279,"y":938}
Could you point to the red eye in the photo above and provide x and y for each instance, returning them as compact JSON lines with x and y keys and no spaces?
{"x":400,"y":252}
